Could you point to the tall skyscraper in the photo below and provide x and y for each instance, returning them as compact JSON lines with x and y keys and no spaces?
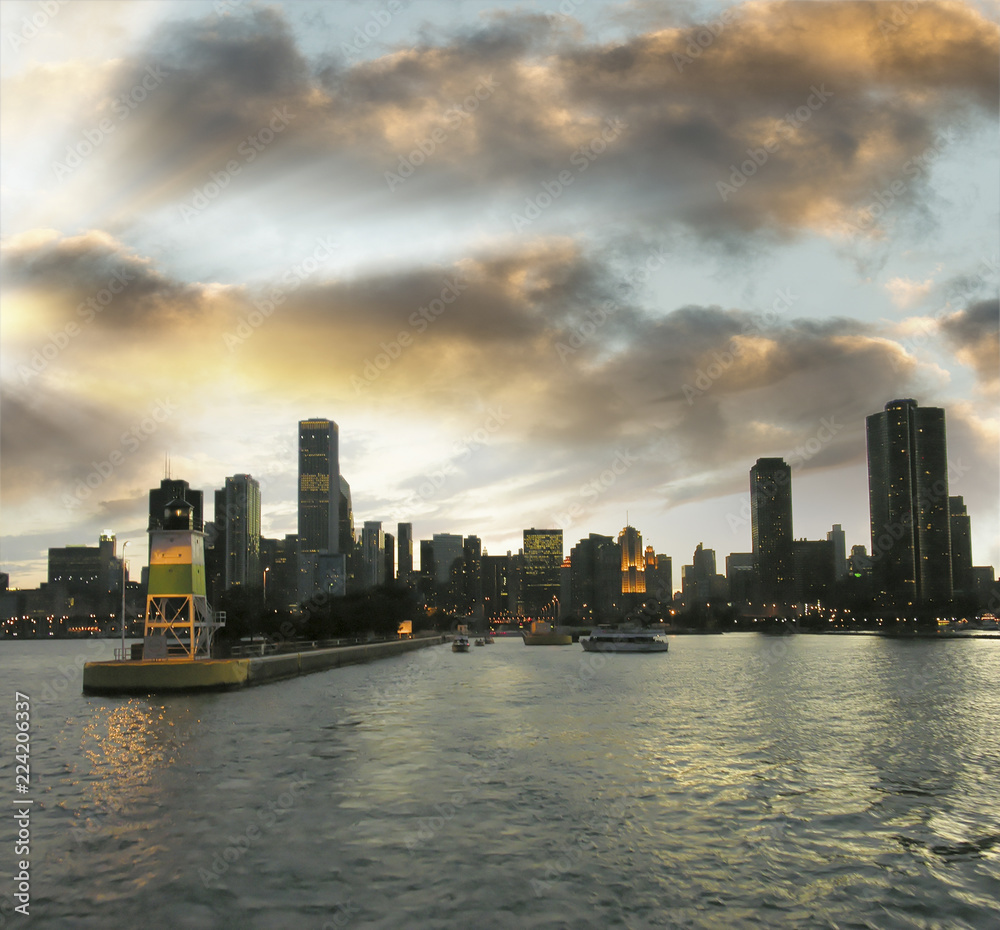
{"x":961,"y":544}
{"x":372,"y":555}
{"x":319,"y":486}
{"x":543,"y":557}
{"x":771,"y":527}
{"x":404,"y":544}
{"x":237,"y":526}
{"x":908,"y":498}
{"x":447,"y":548}
{"x":838,"y":538}
{"x":633,"y":561}
{"x":345,"y":535}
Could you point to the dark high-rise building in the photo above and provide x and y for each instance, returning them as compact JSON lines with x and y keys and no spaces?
{"x":595,"y":579}
{"x":428,"y":564}
{"x":372,"y":555}
{"x":659,"y":576}
{"x":172,"y":489}
{"x":813,"y":570}
{"x":85,"y":580}
{"x":838,"y":538}
{"x":543,"y":557}
{"x":961,"y":544}
{"x":771,"y":527}
{"x":280,"y":570}
{"x":448,"y":549}
{"x":319,"y":486}
{"x":237,"y":533}
{"x":404,"y":544}
{"x":908,"y":498}
{"x":389,"y":552}
{"x":740,"y":577}
{"x":501,"y":586}
{"x":472,"y":553}
{"x":345,"y":535}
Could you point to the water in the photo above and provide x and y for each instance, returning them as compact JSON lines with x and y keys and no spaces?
{"x":738,"y":781}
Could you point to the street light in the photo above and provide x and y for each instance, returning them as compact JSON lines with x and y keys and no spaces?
{"x":124,"y":544}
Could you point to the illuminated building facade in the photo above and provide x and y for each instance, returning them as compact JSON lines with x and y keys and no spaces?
{"x":633,"y":561}
{"x":543,"y":557}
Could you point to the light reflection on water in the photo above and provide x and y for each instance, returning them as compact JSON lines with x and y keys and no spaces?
{"x":738,"y":781}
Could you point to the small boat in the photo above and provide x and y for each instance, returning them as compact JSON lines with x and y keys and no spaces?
{"x":488,"y":639}
{"x":623,"y":641}
{"x":460,"y":643}
{"x":480,"y":642}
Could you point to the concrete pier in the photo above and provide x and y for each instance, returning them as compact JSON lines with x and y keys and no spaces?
{"x":183,"y":675}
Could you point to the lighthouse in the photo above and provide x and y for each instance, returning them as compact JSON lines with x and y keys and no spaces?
{"x":179,"y":622}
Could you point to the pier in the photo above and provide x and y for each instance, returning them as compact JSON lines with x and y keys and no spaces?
{"x":182,"y":675}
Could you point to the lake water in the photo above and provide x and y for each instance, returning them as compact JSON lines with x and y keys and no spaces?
{"x":738,"y":781}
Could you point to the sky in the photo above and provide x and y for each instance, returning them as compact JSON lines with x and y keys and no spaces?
{"x":567,"y":264}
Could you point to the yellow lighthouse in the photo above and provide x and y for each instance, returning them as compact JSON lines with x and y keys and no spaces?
{"x":179,"y":622}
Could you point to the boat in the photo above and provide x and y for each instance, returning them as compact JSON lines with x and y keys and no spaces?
{"x":480,"y":642}
{"x":460,"y":643}
{"x":541,"y":633}
{"x":623,"y":641}
{"x":488,"y":639}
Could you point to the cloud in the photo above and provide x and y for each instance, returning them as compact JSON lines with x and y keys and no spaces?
{"x":975,"y":334}
{"x":906,"y":293}
{"x":788,"y":121}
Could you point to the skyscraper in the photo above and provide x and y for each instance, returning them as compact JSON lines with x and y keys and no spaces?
{"x":319,"y":486}
{"x":372,"y":555}
{"x":908,"y":497}
{"x":404,"y":544}
{"x":771,"y":527}
{"x":237,"y":525}
{"x":543,"y":557}
{"x":633,"y":561}
{"x":319,"y":504}
{"x":961,"y":544}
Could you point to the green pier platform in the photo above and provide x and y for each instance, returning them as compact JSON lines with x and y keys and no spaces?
{"x":159,"y":676}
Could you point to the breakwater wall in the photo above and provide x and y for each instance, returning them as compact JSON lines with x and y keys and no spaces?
{"x":176,"y":675}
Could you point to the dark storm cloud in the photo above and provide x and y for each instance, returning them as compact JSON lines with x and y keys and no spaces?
{"x":69,"y":447}
{"x":790,"y":118}
{"x":94,"y":278}
{"x":975,"y":334}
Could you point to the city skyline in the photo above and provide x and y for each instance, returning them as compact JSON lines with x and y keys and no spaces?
{"x":575,"y":270}
{"x":768,"y":504}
